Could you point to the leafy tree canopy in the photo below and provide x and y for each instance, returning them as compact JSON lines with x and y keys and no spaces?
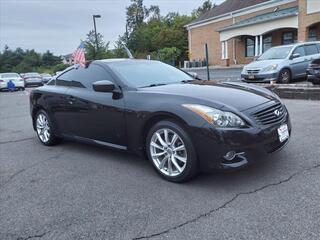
{"x":20,"y":60}
{"x":206,"y":7}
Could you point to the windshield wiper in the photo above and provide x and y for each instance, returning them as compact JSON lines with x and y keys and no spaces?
{"x":187,"y":81}
{"x":192,"y":80}
{"x":154,"y":85}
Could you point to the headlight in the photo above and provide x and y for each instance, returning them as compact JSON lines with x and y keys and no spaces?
{"x":216,"y":117}
{"x":270,"y":68}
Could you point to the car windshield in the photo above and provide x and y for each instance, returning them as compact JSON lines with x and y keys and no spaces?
{"x":32,"y":75}
{"x":10,"y":75}
{"x":276,"y":53}
{"x":148,"y":73}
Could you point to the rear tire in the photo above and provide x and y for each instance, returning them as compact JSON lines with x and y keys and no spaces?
{"x":284,"y":76}
{"x":171,"y":152}
{"x":44,"y":129}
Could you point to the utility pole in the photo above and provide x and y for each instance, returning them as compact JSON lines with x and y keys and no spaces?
{"x":207,"y":60}
{"x":95,"y":33}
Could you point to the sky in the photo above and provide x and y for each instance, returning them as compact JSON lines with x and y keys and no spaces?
{"x":59,"y":25}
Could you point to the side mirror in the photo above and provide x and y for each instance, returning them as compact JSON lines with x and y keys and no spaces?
{"x":193,"y":74}
{"x":295,"y":55}
{"x":103,"y":86}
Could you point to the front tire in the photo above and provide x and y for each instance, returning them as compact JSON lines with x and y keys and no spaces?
{"x":284,"y":76}
{"x":171,"y":152}
{"x":44,"y":129}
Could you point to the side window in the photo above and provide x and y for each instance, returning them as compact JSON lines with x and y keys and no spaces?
{"x":52,"y":82}
{"x":66,"y":78}
{"x":83,"y":77}
{"x":87,"y":76}
{"x":311,"y":49}
{"x":299,"y":50}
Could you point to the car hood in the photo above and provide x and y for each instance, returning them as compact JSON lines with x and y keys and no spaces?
{"x":263,"y":63}
{"x":239,"y":96}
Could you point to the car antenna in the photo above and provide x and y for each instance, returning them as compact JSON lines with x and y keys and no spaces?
{"x":128,"y":52}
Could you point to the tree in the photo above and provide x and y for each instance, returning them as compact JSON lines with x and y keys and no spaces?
{"x":20,"y":60}
{"x":137,"y":13}
{"x":206,"y":6}
{"x":90,"y":47}
{"x":168,"y":55}
{"x":48,"y":59}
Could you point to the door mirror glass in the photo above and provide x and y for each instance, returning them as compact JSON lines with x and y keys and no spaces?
{"x":295,"y":55}
{"x":103,"y":86}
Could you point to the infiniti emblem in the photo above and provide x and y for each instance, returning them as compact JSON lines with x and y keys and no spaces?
{"x":277,"y":113}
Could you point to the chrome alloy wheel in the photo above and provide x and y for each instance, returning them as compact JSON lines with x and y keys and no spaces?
{"x":285,"y":76}
{"x":168,"y":152}
{"x":43,"y":128}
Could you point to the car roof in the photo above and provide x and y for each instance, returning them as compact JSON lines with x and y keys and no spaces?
{"x":297,"y":44}
{"x":123,"y":60}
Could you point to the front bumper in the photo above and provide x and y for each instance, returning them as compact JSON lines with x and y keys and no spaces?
{"x":313,"y":76}
{"x":253,"y":144}
{"x":259,"y":78}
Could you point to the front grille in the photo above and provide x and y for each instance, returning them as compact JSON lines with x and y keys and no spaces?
{"x":271,"y":114}
{"x":253,"y":71}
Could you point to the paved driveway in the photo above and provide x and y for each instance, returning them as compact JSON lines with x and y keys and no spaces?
{"x":75,"y":191}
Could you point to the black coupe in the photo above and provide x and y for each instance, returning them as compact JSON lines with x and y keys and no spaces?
{"x":183,"y":125}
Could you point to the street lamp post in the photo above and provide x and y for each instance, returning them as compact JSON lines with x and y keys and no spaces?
{"x":95,"y":32}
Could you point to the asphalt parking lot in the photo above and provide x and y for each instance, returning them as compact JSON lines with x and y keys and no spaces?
{"x":219,"y":74}
{"x":75,"y":191}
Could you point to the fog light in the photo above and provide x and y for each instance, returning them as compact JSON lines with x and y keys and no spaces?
{"x":230,"y":155}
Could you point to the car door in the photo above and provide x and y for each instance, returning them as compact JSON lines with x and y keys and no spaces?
{"x":56,"y":101}
{"x":97,"y":116}
{"x":299,"y":64}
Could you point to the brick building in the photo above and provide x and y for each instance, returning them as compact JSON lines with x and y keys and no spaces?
{"x":238,"y":30}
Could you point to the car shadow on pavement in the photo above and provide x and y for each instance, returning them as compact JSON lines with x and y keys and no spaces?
{"x":265,"y":170}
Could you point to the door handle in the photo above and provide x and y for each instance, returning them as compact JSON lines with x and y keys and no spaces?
{"x":71,"y":99}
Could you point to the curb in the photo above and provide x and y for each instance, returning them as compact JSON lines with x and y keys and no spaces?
{"x":295,"y":91}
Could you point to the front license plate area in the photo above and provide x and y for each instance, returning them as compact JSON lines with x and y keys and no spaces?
{"x":251,"y":76}
{"x":283,"y":132}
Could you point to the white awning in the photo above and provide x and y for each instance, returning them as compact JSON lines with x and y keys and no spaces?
{"x":259,"y":28}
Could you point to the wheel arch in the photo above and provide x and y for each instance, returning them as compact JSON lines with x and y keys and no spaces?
{"x":157,"y":117}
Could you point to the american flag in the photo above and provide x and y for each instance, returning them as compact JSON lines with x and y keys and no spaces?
{"x":78,"y":55}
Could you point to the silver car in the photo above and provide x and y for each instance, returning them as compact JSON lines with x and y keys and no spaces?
{"x":282,"y":64}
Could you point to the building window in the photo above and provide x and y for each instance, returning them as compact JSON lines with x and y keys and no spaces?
{"x":312,"y":35}
{"x":313,"y":6}
{"x":289,"y":37}
{"x":250,"y":46}
{"x":224,"y":50}
{"x":267,"y":43}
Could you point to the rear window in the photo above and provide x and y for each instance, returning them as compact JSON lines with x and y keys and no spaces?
{"x":311,"y":49}
{"x":9,"y":75}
